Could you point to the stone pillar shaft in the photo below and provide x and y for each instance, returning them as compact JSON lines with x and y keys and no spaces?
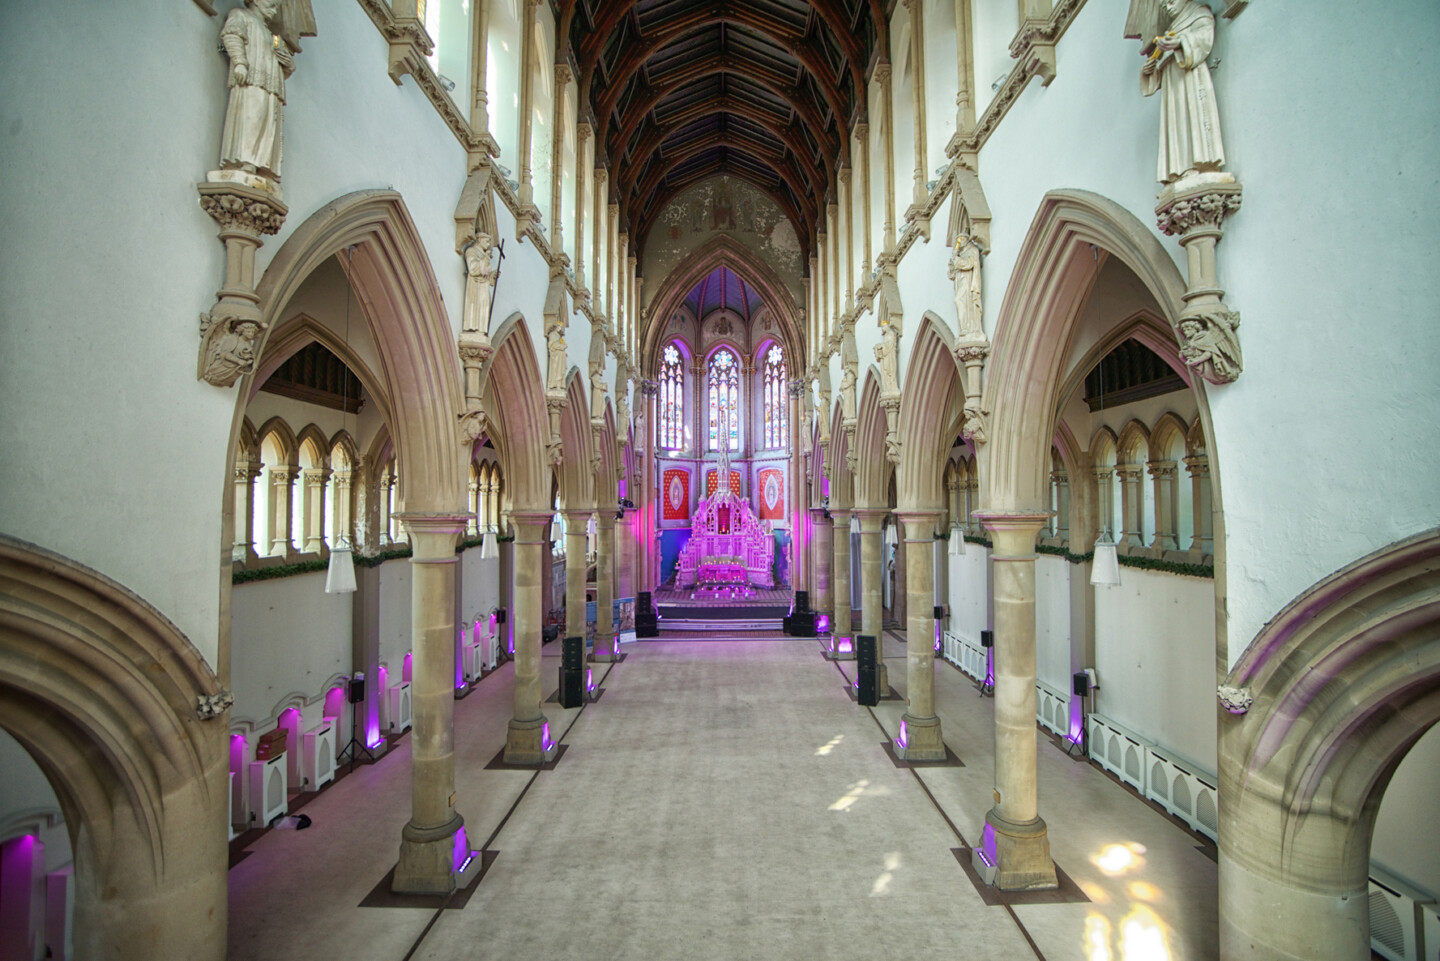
{"x":575,"y":567}
{"x":840,"y":534}
{"x":604,"y":585}
{"x":1198,"y":466}
{"x":1021,"y":845}
{"x":820,"y":599}
{"x":1131,"y":502}
{"x":427,"y":847}
{"x":524,"y":744}
{"x":870,"y":597}
{"x":1162,"y":474}
{"x":924,"y":741}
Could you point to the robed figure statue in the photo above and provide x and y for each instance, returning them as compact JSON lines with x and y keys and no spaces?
{"x":1189,"y":116}
{"x":259,"y":63}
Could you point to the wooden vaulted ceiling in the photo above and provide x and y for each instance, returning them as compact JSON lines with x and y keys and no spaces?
{"x":762,"y":90}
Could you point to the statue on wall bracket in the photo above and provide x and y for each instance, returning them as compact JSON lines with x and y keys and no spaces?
{"x":242,"y":195}
{"x":1195,"y":194}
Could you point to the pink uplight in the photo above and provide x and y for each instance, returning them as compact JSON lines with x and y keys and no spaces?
{"x":405,"y":671}
{"x":461,"y":855}
{"x":335,"y":701}
{"x":904,"y":739}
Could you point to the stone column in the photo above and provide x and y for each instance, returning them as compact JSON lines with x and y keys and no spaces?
{"x":820,"y":599}
{"x":900,"y":596}
{"x":557,"y":160}
{"x":472,"y":523}
{"x":527,"y":87}
{"x":1061,"y":480}
{"x":604,"y":585}
{"x":529,"y":730}
{"x":1104,"y":502}
{"x":870,"y":596}
{"x":342,"y":508}
{"x":313,"y":508}
{"x":920,"y":191}
{"x":799,"y":569}
{"x":882,"y":75}
{"x":479,"y":60}
{"x":1015,"y":836}
{"x":1203,"y":542}
{"x":1131,"y":501}
{"x":383,"y":489}
{"x":427,"y":846}
{"x":583,"y":133}
{"x":1162,"y":475}
{"x":282,"y":481}
{"x":625,"y":554}
{"x":575,"y":567}
{"x":922,"y":739}
{"x":245,"y":473}
{"x":840,"y":533}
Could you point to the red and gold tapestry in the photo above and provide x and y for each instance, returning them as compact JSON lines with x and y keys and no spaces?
{"x":772,"y":494}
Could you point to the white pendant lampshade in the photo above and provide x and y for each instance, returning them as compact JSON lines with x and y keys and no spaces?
{"x":1105,"y":569}
{"x":489,"y":548}
{"x":854,"y":524}
{"x":957,"y":542}
{"x":340,"y":577}
{"x":891,"y":539}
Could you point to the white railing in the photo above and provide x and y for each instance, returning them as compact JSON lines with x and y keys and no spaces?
{"x":1402,"y":919}
{"x":318,"y":756}
{"x":1052,"y":709}
{"x":1183,"y":789}
{"x":398,"y":698}
{"x":268,"y":799}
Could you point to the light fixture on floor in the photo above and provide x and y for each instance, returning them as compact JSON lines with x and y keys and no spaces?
{"x":1105,"y":569}
{"x":340,"y":576}
{"x":957,"y":541}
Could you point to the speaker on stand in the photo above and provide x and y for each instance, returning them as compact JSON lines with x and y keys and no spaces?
{"x":1083,"y":685}
{"x":987,"y":641}
{"x":355,"y":747}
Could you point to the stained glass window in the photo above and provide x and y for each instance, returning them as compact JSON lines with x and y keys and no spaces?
{"x":777,"y":418}
{"x":724,"y":401}
{"x":672,"y":399}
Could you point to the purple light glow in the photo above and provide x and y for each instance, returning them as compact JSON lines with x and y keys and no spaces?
{"x":461,"y":857}
{"x":845,"y":646}
{"x":405,"y":671}
{"x":904,"y":739}
{"x":822,"y":623}
{"x":589,"y":679}
{"x":987,"y":846}
{"x":545,"y":743}
{"x":335,"y":701}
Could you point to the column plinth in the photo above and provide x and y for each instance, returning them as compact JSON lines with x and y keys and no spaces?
{"x":923,"y":740}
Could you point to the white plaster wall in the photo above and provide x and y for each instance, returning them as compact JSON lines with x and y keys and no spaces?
{"x":994,"y":23}
{"x":1052,"y":620}
{"x":287,"y":636}
{"x":395,"y":643}
{"x":1405,"y":841}
{"x":24,"y":791}
{"x":969,"y":592}
{"x":1155,"y":657}
{"x":480,"y":586}
{"x":941,"y":82}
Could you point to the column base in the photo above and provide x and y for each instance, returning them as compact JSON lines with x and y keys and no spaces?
{"x":604,"y":653}
{"x":882,"y":682}
{"x":1021,"y":853}
{"x":528,"y":742}
{"x":1267,"y":920}
{"x":841,"y":647}
{"x":427,"y":859}
{"x":920,"y":738}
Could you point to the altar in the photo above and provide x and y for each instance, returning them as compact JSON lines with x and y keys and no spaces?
{"x":728,"y":547}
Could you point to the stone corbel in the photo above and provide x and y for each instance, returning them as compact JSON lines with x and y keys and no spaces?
{"x":475,"y":210}
{"x":1236,"y":700}
{"x":555,"y":407}
{"x":852,"y":457}
{"x":1193,"y":209}
{"x":246,"y":207}
{"x":473,"y":425}
{"x":410,"y":45}
{"x":971,"y":357}
{"x":1034,"y":47}
{"x":210,"y":706}
{"x":891,"y":406}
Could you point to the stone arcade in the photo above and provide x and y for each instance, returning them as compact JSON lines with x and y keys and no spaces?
{"x":491,"y":291}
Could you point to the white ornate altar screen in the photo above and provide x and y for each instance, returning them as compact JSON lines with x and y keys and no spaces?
{"x":728,"y":546}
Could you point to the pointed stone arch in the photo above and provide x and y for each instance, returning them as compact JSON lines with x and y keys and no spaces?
{"x":103,"y":690}
{"x":516,"y":393}
{"x":1324,"y":702}
{"x":577,"y":478}
{"x":872,"y":470}
{"x":298,"y":333}
{"x":842,"y":480}
{"x":931,"y":405}
{"x":720,"y":251}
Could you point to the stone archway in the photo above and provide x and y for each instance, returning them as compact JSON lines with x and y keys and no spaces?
{"x":1325,"y":702}
{"x":390,"y":273}
{"x":125,"y":719}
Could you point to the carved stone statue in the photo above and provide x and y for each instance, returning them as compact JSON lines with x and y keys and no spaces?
{"x":254,"y":122}
{"x":1210,"y":345}
{"x":479,"y":285}
{"x":887,"y":355}
{"x":555,"y":346}
{"x":229,"y":348}
{"x":847,"y":394}
{"x":1189,"y":116}
{"x":822,"y":413}
{"x":965,"y":272}
{"x":597,"y":395}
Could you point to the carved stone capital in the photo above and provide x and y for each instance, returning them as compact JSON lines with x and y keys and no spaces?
{"x":475,"y":349}
{"x":409,"y":46}
{"x":971,"y":353}
{"x":1034,"y":47}
{"x":1197,"y":204}
{"x":882,"y":72}
{"x":1209,"y":342}
{"x":1236,"y":700}
{"x":236,"y":207}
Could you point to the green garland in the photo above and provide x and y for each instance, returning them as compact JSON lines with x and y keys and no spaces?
{"x":1140,"y":563}
{"x":270,"y":573}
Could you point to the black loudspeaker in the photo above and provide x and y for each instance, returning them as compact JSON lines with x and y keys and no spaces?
{"x":572,"y":687}
{"x":867,"y":655}
{"x":500,"y":616}
{"x":647,"y":624}
{"x":1082,"y":684}
{"x":802,"y":601}
{"x":572,"y":654}
{"x":987,"y":638}
{"x":869,"y":693}
{"x":939,"y":612}
{"x":357,"y":689}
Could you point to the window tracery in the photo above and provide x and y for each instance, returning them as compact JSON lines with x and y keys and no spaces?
{"x":724,"y":399}
{"x":672,"y":399}
{"x":776,"y":410}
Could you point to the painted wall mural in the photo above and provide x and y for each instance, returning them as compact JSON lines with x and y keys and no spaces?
{"x":676,"y":490}
{"x":772,"y":494}
{"x":731,"y":206}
